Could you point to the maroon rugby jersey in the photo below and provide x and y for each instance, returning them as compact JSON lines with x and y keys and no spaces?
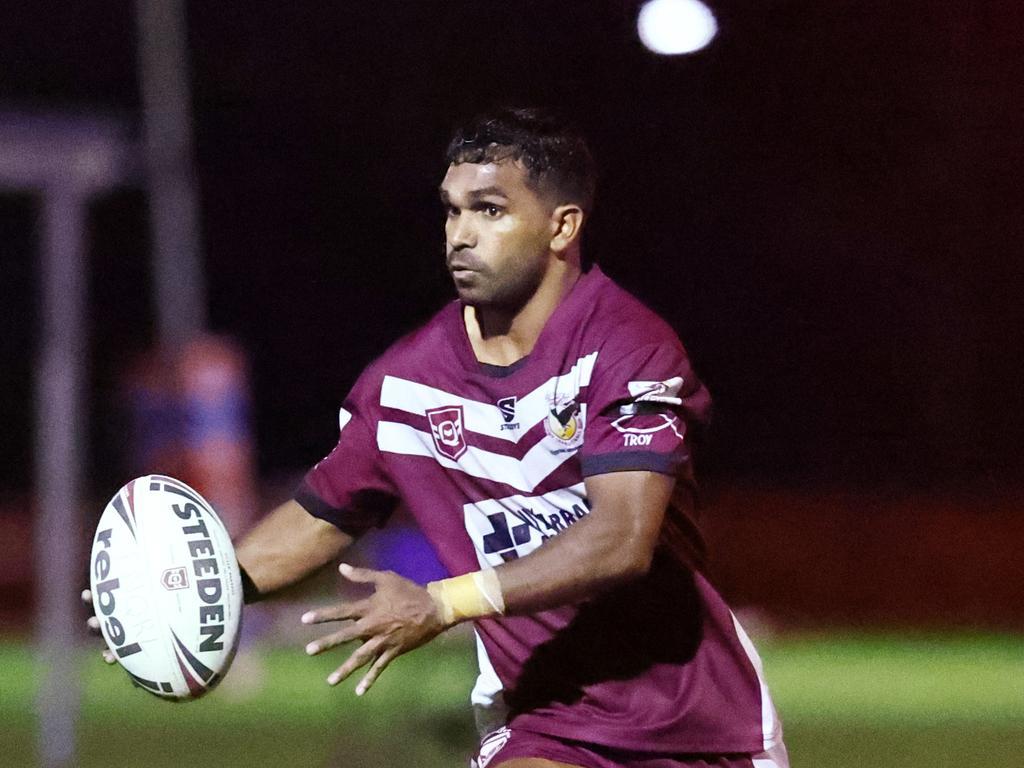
{"x":491,"y":462}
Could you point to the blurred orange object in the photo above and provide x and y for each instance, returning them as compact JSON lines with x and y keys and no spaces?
{"x":191,"y":419}
{"x":216,"y":436}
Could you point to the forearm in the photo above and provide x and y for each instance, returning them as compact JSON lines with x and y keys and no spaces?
{"x":582,"y":561}
{"x":286,"y":546}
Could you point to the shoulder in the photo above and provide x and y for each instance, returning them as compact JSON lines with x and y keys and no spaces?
{"x":414,"y":352}
{"x":641,"y":356}
{"x":619,"y":323}
{"x":424,"y":343}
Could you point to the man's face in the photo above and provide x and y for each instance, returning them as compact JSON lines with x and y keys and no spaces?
{"x":497,"y":233}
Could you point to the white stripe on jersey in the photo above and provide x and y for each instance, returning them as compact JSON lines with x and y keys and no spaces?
{"x":485,"y":418}
{"x":525,"y":475}
{"x":344,"y":417}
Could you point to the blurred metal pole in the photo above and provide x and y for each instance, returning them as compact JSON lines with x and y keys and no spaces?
{"x":63,"y":160}
{"x":59,"y":441}
{"x":173,"y":203}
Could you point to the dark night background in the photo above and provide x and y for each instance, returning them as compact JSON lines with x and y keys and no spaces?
{"x":826,"y":203}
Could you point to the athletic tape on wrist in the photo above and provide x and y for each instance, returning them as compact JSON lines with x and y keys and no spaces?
{"x":250,"y":592}
{"x":469,"y":596}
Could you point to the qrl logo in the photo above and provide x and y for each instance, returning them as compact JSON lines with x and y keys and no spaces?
{"x":175,"y":578}
{"x":446,"y":428}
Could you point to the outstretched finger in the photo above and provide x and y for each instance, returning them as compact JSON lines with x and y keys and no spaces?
{"x":359,"y":575}
{"x":92,"y":623}
{"x":345,"y":635}
{"x":363,"y":655}
{"x":336,"y":612}
{"x":374,"y":672}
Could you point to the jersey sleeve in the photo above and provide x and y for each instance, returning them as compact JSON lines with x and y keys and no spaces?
{"x":642,"y":407}
{"x":350,"y":487}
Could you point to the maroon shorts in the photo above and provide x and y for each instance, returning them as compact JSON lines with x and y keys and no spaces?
{"x":506,"y":744}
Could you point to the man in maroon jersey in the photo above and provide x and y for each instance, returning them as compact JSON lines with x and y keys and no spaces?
{"x":538,"y":428}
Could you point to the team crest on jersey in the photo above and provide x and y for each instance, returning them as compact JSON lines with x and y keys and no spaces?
{"x":446,"y":428}
{"x":564,"y":421}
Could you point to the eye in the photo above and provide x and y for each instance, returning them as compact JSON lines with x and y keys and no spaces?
{"x":491,"y":210}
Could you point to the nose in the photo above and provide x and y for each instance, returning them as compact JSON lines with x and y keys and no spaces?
{"x":459,"y":233}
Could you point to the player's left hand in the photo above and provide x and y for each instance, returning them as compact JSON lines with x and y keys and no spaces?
{"x":399,"y":616}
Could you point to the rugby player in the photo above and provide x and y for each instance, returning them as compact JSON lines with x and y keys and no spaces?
{"x":539,"y":430}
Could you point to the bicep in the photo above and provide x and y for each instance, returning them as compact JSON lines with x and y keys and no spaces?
{"x":630,"y":507}
{"x":612,"y":544}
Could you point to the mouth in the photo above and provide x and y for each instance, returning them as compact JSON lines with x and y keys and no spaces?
{"x":462,"y":276}
{"x":460,"y":269}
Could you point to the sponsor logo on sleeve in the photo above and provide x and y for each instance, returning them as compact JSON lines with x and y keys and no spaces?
{"x":657,"y":391}
{"x":446,"y":429}
{"x":643,"y":427}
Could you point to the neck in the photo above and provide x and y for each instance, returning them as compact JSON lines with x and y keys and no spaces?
{"x":501,"y":337}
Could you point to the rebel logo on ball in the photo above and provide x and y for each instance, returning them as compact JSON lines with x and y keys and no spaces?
{"x":106,"y":600}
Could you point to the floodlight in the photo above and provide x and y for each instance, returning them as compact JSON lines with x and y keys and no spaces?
{"x":672,"y":27}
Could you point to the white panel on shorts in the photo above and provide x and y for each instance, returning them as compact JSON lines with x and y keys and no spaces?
{"x":776,"y":757}
{"x":487,"y":697}
{"x":771,"y":726}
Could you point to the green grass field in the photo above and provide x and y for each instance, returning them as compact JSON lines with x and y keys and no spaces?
{"x":864,"y":701}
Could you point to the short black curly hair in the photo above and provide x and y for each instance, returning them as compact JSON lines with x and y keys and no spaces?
{"x":552,"y":150}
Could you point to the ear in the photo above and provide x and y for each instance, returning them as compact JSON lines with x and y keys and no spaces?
{"x":566,"y":224}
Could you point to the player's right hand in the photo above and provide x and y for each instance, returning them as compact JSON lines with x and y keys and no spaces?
{"x":93,"y":625}
{"x":399,"y":616}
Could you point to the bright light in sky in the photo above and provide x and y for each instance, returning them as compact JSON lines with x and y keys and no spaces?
{"x":676,"y":26}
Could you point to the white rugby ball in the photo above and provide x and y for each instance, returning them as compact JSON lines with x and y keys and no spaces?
{"x":166,"y":587}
